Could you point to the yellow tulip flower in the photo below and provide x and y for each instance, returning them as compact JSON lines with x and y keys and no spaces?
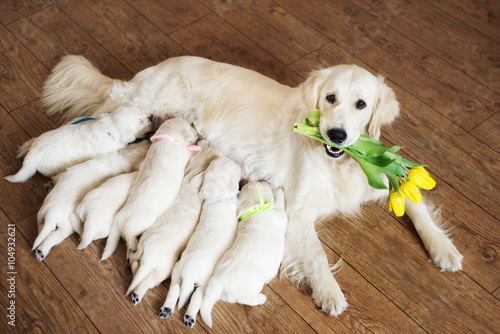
{"x":411,"y":191}
{"x":421,"y":178}
{"x":397,"y":203}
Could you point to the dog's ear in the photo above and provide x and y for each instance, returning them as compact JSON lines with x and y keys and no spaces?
{"x":386,"y":110}
{"x":311,"y":88}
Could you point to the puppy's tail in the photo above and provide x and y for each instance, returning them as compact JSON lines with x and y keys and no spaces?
{"x":24,"y":148}
{"x":27,"y":170}
{"x":211,"y":296}
{"x":76,"y":86}
{"x":112,"y":243}
{"x":86,"y":235}
{"x":76,"y":222}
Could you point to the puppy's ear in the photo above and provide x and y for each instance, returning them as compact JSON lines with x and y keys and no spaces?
{"x":386,"y":110}
{"x":311,"y":88}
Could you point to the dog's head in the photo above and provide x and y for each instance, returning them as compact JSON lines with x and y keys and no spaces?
{"x":128,"y":123}
{"x":249,"y":196}
{"x":177,"y":128}
{"x":352,"y":102}
{"x":221,"y":180}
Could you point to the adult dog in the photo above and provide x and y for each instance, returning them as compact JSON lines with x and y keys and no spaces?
{"x":249,"y":117}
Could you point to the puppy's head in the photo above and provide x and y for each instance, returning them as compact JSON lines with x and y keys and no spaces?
{"x":352,"y":102}
{"x":128,"y":123}
{"x":249,"y":196}
{"x":221,"y":180}
{"x":177,"y":128}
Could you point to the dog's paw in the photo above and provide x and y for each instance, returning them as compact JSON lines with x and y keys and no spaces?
{"x":189,"y":321}
{"x":330,"y":298}
{"x":39,"y":255}
{"x":134,"y":297}
{"x":166,"y":312}
{"x":445,"y":255}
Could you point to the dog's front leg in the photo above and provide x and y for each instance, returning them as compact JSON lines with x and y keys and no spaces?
{"x":440,"y":248}
{"x":305,"y":260}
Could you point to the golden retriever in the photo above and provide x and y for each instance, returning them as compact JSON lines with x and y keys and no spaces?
{"x":250,"y":117}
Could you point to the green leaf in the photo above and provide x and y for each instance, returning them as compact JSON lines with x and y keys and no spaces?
{"x":372,"y":173}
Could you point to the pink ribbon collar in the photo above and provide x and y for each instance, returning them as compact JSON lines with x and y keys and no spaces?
{"x":193,"y":148}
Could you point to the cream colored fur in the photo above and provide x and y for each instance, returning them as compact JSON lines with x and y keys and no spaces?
{"x":161,"y":244}
{"x":250,"y":117}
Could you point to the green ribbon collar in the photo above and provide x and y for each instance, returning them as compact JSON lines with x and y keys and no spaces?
{"x":256,"y":209}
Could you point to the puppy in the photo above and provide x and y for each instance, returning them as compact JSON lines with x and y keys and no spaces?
{"x":70,"y":188}
{"x":254,"y":258}
{"x":54,"y":151}
{"x":99,"y":208}
{"x":214,"y":234}
{"x":161,"y":245}
{"x":156,"y":185}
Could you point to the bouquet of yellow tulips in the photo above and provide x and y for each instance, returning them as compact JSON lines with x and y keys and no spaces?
{"x":374,"y":158}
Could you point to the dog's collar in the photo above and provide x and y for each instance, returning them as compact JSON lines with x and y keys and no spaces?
{"x":232,"y":198}
{"x":194,"y":148}
{"x":86,"y":119}
{"x":256,"y":209}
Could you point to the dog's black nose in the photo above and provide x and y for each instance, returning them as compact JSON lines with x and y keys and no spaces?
{"x":337,"y":135}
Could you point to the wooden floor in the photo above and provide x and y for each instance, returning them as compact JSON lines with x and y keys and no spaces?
{"x":442,"y":59}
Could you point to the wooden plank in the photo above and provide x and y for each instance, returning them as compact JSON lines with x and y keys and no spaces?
{"x":213,"y":38}
{"x":11,"y":11}
{"x":98,"y":288}
{"x":368,"y":310}
{"x":271,"y":27}
{"x":22,"y":75}
{"x":18,"y":200}
{"x":496,"y":293}
{"x":170,"y":15}
{"x":429,"y":78}
{"x":140,"y":44}
{"x":434,"y":30}
{"x":482,"y":15}
{"x":390,"y":257}
{"x":33,"y":119}
{"x":41,"y":301}
{"x":49,"y":34}
{"x":488,"y":131}
{"x":430,"y":138}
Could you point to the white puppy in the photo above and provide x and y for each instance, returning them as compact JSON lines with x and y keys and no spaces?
{"x":54,"y":223}
{"x":55,"y":150}
{"x":99,"y":207}
{"x":213,"y":236}
{"x":256,"y":254}
{"x":156,"y":185}
{"x":161,"y":245}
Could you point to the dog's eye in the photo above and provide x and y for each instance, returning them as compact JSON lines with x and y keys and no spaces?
{"x":361,"y":104}
{"x":330,"y":98}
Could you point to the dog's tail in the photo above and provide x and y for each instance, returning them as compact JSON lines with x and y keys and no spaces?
{"x":212,"y":294}
{"x":145,"y":268}
{"x":25,"y":148}
{"x":187,"y":287}
{"x":77,"y":223}
{"x":76,"y":86}
{"x":28,"y":169}
{"x":112,"y":243}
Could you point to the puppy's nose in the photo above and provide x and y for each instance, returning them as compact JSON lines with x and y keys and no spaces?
{"x":337,"y":135}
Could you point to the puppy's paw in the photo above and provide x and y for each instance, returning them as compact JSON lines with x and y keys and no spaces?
{"x":330,"y":298}
{"x":166,"y":312}
{"x":445,"y":255}
{"x":135,"y":298}
{"x":39,"y":255}
{"x":189,"y":321}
